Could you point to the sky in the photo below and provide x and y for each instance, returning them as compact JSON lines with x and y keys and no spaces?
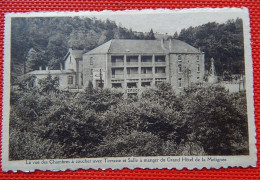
{"x":168,"y":22}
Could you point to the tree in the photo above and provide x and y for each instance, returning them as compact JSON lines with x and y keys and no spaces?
{"x":89,"y":88}
{"x":49,"y":84}
{"x":141,"y":35}
{"x":214,"y":121}
{"x":26,"y":82}
{"x":223,"y":42}
{"x":150,"y":36}
{"x":32,"y":60}
{"x":175,"y":36}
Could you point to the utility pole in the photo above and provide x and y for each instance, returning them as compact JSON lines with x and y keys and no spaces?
{"x":101,"y":81}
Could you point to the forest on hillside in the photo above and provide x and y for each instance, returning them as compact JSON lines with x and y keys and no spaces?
{"x":45,"y":41}
{"x":223,"y":42}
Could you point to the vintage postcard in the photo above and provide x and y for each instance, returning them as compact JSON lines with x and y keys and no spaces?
{"x":128,"y":89}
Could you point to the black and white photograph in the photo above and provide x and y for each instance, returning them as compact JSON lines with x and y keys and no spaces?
{"x":158,"y":88}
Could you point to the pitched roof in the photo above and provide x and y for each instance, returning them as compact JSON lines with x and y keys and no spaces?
{"x":178,"y":46}
{"x":102,"y":49}
{"x":77,"y":54}
{"x":137,"y":46}
{"x":52,"y":72}
{"x":143,"y":46}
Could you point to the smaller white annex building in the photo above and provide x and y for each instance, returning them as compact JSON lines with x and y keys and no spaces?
{"x":69,"y":74}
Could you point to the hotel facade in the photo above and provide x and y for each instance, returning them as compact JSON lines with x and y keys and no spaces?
{"x":130,"y":65}
{"x":135,"y":64}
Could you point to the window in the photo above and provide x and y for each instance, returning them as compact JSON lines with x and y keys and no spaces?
{"x":198,"y":68}
{"x":146,"y":70}
{"x":159,"y":58}
{"x":179,"y":82}
{"x":198,"y":78}
{"x":116,"y":85}
{"x":117,"y":60}
{"x":132,"y":59}
{"x":113,"y":73}
{"x":117,"y":72}
{"x":132,"y":85}
{"x":145,"y":84}
{"x":159,"y":70}
{"x":91,"y":61}
{"x":179,"y":58}
{"x":179,"y":68}
{"x":91,"y":72}
{"x":146,"y":59}
{"x":70,"y":79}
{"x":70,"y":59}
{"x":198,"y":58}
{"x":132,"y":71}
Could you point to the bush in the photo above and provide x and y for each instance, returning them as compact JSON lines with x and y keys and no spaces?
{"x":100,"y":122}
{"x":130,"y":144}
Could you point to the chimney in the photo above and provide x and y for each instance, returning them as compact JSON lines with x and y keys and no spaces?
{"x":170,"y":44}
{"x":61,"y":67}
{"x":162,"y":43}
{"x":46,"y":68}
{"x":40,"y":68}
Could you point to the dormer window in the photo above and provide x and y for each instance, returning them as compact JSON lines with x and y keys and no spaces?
{"x":91,"y":62}
{"x":179,"y":58}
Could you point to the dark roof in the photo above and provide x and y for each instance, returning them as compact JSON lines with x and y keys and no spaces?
{"x":143,"y":46}
{"x":52,"y":72}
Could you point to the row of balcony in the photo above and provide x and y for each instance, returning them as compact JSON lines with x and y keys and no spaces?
{"x":121,"y":76}
{"x":132,"y":90}
{"x":121,"y":64}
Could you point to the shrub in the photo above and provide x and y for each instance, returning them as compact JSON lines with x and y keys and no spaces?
{"x":204,"y":120}
{"x":130,"y":144}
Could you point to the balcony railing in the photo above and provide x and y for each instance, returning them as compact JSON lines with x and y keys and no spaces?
{"x":117,"y":64}
{"x":133,"y":75}
{"x":160,"y":75}
{"x":146,"y":63}
{"x":117,"y":76}
{"x":147,"y":75}
{"x":132,"y":63}
{"x":160,"y":63}
{"x":132,"y":90}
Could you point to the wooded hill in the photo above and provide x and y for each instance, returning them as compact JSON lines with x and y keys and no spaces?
{"x":45,"y":41}
{"x":224,"y":42}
